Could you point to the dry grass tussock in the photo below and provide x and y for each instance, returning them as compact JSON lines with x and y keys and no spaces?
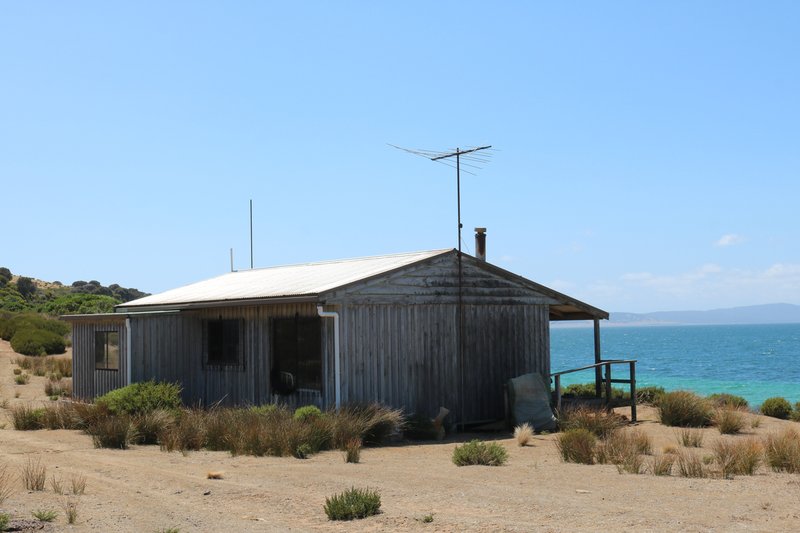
{"x":576,"y":446}
{"x":739,"y":457}
{"x":690,"y":437}
{"x":34,"y":474}
{"x":782,"y":451}
{"x":40,"y":366}
{"x":6,"y":483}
{"x":684,"y":409}
{"x":690,"y":464}
{"x":523,"y":434}
{"x":598,"y":421}
{"x":624,"y":449}
{"x":729,"y":421}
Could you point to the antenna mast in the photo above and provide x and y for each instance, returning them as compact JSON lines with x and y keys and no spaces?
{"x":470,"y":154}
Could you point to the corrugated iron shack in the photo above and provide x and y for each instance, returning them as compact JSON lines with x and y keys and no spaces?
{"x":380,"y":329}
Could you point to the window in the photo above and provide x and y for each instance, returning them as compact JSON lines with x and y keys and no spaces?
{"x":222,"y":342}
{"x":296,"y":354}
{"x":106,"y":350}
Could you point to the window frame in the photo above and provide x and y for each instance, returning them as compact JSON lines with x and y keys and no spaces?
{"x":232,"y":358}
{"x":303,"y":325}
{"x":106,"y":351}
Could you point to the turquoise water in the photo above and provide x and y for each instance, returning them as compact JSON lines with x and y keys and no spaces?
{"x":754,"y":361}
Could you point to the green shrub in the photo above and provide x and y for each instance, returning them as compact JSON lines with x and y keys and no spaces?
{"x":776,"y":407}
{"x":10,"y":326}
{"x":142,"y":397}
{"x":30,"y":341}
{"x":264,"y":409}
{"x":353,"y":503}
{"x":723,"y":399}
{"x":476,"y":452}
{"x":576,"y":446}
{"x":306,"y":413}
{"x":598,"y":421}
{"x":44,"y":515}
{"x":796,"y":412}
{"x":84,"y":304}
{"x":5,"y":518}
{"x":22,"y":379}
{"x":27,"y":418}
{"x":684,"y":409}
{"x":587,"y":390}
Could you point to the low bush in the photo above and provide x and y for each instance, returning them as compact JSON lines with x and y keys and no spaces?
{"x":306,"y":413}
{"x":598,"y":421}
{"x":576,"y":446}
{"x":684,"y":409}
{"x":523,"y":433}
{"x":777,"y":407}
{"x":782,"y":451}
{"x":27,"y":418}
{"x":29,"y":341}
{"x":729,"y":421}
{"x":142,"y":397}
{"x":32,"y":321}
{"x":723,"y":399}
{"x":44,"y":515}
{"x":796,"y":412}
{"x":112,"y":431}
{"x":22,"y":379}
{"x":588,"y":390}
{"x":5,"y":518}
{"x":353,"y":503}
{"x":476,"y":452}
{"x":738,"y":457}
{"x":58,"y":387}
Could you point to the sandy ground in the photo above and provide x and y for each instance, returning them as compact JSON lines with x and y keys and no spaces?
{"x":144,"y":489}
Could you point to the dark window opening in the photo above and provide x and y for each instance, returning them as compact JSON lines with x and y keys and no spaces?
{"x":222,"y":342}
{"x":106,"y":350}
{"x":296,"y":354}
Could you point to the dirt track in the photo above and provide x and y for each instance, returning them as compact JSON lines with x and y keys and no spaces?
{"x":144,"y":489}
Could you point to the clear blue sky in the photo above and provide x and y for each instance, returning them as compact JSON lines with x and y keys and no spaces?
{"x":648,"y":154}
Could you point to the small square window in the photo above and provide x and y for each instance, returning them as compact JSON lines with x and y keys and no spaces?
{"x":223,"y":343}
{"x":106,"y":350}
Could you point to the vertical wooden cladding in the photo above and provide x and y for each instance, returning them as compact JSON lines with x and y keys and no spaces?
{"x":88,"y":382}
{"x":170,"y":348}
{"x":407,"y":355}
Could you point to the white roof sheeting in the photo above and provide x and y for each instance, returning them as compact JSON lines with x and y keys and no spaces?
{"x":282,"y":281}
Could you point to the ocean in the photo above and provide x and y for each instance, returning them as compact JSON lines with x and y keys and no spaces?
{"x":753,"y":361}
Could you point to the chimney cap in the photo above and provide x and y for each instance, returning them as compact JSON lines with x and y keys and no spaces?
{"x":480,"y":230}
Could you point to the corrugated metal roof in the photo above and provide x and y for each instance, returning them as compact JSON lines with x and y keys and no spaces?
{"x":282,"y":281}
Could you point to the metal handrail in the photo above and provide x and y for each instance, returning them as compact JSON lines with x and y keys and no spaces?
{"x":608,"y":381}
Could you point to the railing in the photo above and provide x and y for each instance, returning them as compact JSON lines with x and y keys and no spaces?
{"x":606,"y":363}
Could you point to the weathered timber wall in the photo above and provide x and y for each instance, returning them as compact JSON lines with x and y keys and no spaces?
{"x":170,"y":348}
{"x":89,"y":383}
{"x":407,"y":355}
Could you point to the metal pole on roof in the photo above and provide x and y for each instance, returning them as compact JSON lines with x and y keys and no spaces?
{"x":251,"y":234}
{"x":443,"y":157}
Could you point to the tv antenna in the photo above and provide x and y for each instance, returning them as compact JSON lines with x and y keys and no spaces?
{"x":474,"y":157}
